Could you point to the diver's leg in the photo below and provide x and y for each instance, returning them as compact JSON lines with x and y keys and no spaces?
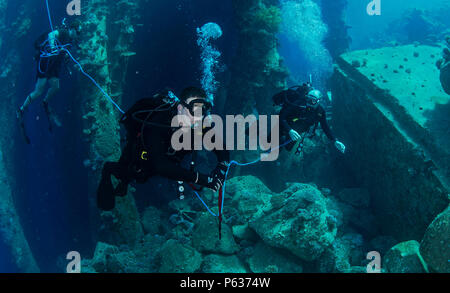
{"x":38,"y":91}
{"x":123,"y":173}
{"x":105,"y":191}
{"x":54,"y":88}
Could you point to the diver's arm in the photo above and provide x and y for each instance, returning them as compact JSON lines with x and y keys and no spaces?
{"x":164,"y":167}
{"x":324,"y":124}
{"x":326,"y":128}
{"x":293,"y":134}
{"x":223,"y":163}
{"x":284,"y":120}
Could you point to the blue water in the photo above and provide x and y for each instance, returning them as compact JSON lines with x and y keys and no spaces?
{"x":53,"y":198}
{"x":6,"y":263}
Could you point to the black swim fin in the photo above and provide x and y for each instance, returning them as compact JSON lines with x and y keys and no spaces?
{"x":48,"y":113}
{"x":121,"y":189}
{"x":22,"y":126}
{"x":106,"y":200}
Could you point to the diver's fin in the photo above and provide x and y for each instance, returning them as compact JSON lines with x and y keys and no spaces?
{"x":24,"y":133}
{"x":48,"y":113}
{"x":22,"y":126}
{"x":121,"y":189}
{"x":56,"y":120}
{"x":105,"y":195}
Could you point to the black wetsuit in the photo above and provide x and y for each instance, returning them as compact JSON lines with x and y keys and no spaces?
{"x":149,"y":153}
{"x":50,"y":67}
{"x":296,"y":115}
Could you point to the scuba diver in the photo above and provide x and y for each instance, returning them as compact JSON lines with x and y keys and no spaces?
{"x":50,"y":56}
{"x":444,"y":67}
{"x":148,"y":151}
{"x":301,"y":111}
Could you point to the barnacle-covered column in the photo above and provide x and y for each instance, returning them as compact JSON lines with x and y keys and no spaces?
{"x":107,"y":35}
{"x":337,"y":40}
{"x":257,"y":70}
{"x":11,"y":232}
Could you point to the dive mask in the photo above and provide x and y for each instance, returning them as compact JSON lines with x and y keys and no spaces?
{"x":313,"y":98}
{"x":197,"y":104}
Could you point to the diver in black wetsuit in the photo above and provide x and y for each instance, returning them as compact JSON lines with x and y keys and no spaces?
{"x":149,"y":152}
{"x":301,"y":110}
{"x":49,"y":60}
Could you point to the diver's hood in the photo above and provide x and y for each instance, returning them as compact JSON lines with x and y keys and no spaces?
{"x":313,"y":98}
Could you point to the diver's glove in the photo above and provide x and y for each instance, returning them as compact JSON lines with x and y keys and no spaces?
{"x":220,"y":171}
{"x":211,"y":182}
{"x":340,"y":146}
{"x":294,"y":135}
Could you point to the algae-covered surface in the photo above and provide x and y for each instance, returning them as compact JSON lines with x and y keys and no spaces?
{"x":408,"y":73}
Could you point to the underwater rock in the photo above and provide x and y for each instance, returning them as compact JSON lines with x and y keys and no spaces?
{"x":302,"y":225}
{"x":86,"y":267}
{"x":123,"y":224}
{"x":445,"y":77}
{"x":357,"y":197}
{"x":358,"y":218}
{"x":434,"y":246}
{"x":215,"y":264}
{"x":243,"y":232}
{"x":112,"y":259}
{"x":250,"y":197}
{"x":345,"y":253}
{"x":396,"y":130}
{"x":205,"y":237}
{"x":179,"y":258}
{"x":148,"y":251}
{"x":404,"y":258}
{"x":266,"y":259}
{"x":151,"y":220}
{"x":105,"y":260}
{"x":342,"y":212}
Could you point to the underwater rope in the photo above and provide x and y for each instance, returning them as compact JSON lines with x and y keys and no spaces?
{"x":226,"y":176}
{"x":59,"y":48}
{"x":95,"y":83}
{"x":49,"y":16}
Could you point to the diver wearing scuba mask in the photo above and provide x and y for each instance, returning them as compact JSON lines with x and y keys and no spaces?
{"x":149,"y":152}
{"x":50,"y":56}
{"x":301,"y":110}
